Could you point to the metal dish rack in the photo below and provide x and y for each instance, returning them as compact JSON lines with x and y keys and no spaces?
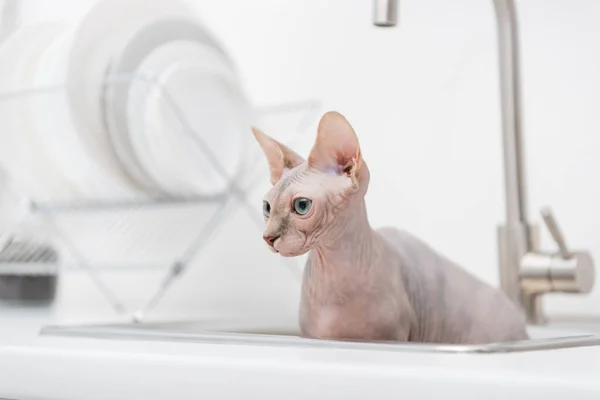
{"x":235,"y":196}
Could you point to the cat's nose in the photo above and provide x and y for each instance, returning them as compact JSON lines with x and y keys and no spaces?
{"x":270,"y":240}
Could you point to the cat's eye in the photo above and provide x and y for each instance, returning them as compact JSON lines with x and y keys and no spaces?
{"x":302,"y":205}
{"x":266,"y":208}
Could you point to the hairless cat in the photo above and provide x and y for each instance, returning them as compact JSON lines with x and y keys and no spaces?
{"x":365,"y":284}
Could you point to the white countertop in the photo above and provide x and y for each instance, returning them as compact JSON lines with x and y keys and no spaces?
{"x":80,"y":368}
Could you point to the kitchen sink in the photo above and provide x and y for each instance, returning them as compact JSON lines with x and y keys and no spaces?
{"x":255,"y":333}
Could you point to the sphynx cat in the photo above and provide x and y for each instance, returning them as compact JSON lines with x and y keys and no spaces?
{"x":365,"y":284}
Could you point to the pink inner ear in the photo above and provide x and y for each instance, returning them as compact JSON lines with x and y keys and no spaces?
{"x":336,"y":146}
{"x":279,"y":156}
{"x":290,"y":158}
{"x":272,"y":152}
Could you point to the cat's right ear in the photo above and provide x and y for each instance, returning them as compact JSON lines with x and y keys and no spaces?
{"x":336,"y":148}
{"x":279,"y":156}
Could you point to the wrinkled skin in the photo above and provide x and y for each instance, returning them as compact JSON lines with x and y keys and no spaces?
{"x":362,"y":284}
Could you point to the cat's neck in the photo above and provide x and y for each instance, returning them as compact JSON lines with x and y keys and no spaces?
{"x":351,"y":246}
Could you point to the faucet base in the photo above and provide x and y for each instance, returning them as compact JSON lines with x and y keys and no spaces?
{"x":514,"y":241}
{"x":534,"y":312}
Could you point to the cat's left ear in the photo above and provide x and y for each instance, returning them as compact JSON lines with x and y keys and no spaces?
{"x":279,"y":156}
{"x":336,"y":148}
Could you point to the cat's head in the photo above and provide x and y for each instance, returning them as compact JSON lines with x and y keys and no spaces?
{"x":311,"y":198}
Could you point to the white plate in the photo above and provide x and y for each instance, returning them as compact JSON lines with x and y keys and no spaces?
{"x":101,"y":34}
{"x":156,"y":48}
{"x":51,"y":117}
{"x":58,"y":135}
{"x":208,"y":95}
{"x":22,"y":155}
{"x":145,"y":41}
{"x":132,"y":137}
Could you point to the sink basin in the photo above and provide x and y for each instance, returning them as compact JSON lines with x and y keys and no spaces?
{"x":244,"y":332}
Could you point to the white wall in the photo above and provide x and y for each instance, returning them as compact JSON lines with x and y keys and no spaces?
{"x":423,"y":98}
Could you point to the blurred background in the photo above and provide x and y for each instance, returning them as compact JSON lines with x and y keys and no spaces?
{"x":423,"y":98}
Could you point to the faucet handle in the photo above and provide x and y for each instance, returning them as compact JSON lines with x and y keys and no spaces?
{"x":556,"y":233}
{"x":570,"y":272}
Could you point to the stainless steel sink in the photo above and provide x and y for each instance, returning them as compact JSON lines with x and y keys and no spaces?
{"x":238,"y":332}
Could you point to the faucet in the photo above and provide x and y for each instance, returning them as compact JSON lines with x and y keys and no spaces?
{"x":526,"y":273}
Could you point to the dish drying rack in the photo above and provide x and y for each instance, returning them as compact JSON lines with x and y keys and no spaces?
{"x":226,"y":202}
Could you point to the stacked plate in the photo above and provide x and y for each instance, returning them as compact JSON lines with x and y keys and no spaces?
{"x":151,"y":106}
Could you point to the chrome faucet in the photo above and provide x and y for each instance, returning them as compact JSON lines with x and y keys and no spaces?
{"x":526,"y":273}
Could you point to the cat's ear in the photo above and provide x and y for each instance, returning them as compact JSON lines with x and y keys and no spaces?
{"x":279,"y":156}
{"x":336,"y":148}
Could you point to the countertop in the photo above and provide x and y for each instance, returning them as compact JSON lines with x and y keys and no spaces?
{"x":42,"y":367}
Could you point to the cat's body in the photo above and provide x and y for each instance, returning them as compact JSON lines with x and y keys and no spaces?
{"x":363,"y":284}
{"x":408,"y":292}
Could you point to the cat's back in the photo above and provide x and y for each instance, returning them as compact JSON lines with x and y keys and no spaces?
{"x":452,"y":305}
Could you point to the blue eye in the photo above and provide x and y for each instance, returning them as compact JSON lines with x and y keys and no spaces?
{"x":302,"y":205}
{"x":266,"y":208}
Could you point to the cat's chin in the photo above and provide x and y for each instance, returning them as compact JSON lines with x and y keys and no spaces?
{"x":292,"y":254}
